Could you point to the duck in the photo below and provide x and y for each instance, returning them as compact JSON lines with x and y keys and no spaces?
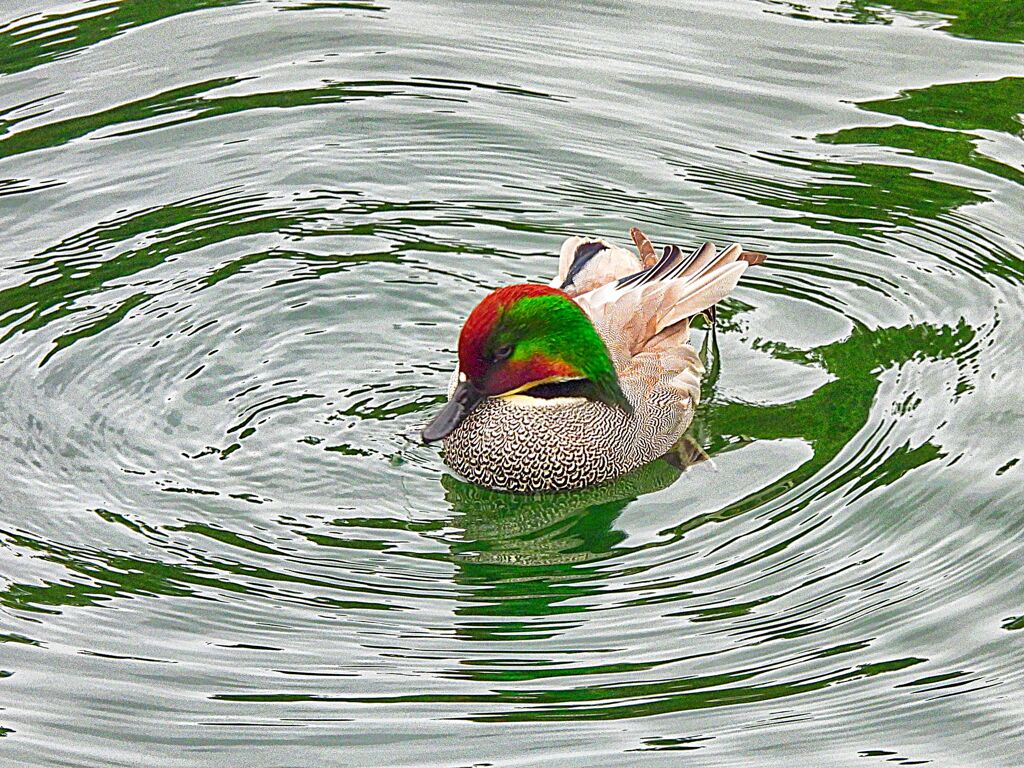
{"x":574,"y":383}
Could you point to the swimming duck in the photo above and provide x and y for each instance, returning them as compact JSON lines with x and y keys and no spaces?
{"x":575,"y":383}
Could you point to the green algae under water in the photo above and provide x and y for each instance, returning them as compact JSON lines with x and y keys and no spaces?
{"x":239,"y":239}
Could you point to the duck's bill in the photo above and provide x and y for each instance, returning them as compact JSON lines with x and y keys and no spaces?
{"x":465,"y":398}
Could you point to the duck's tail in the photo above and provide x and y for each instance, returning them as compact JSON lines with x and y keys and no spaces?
{"x":650,"y":310}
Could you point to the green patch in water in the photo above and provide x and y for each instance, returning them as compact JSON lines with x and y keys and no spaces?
{"x":994,"y":105}
{"x":930,"y":143}
{"x":999,"y":21}
{"x":1014,"y":623}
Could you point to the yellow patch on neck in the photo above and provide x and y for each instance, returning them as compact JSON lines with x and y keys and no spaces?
{"x":521,"y":395}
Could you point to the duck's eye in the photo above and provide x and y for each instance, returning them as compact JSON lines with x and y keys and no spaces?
{"x":504,"y":352}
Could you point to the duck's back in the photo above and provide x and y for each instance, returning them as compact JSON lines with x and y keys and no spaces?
{"x":644,"y":316}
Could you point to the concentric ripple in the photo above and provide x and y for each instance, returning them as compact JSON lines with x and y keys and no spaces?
{"x":239,"y":240}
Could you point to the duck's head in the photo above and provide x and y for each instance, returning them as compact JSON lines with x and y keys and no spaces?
{"x":521,"y":337}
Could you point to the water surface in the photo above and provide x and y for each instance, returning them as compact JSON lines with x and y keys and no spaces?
{"x":239,"y":239}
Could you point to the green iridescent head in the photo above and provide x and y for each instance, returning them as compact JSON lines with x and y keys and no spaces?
{"x":519,"y":338}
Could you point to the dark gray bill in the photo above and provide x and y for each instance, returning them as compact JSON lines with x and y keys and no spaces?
{"x":465,"y":398}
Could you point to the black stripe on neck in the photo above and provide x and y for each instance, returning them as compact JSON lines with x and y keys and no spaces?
{"x":572,"y":388}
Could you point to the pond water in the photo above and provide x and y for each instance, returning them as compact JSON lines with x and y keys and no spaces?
{"x":238,"y":242}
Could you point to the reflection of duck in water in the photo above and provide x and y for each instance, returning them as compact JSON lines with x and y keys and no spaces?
{"x":553,"y":528}
{"x":565,"y":387}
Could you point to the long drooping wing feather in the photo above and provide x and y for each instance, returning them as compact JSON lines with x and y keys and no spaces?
{"x":643,"y":246}
{"x":646,"y":307}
